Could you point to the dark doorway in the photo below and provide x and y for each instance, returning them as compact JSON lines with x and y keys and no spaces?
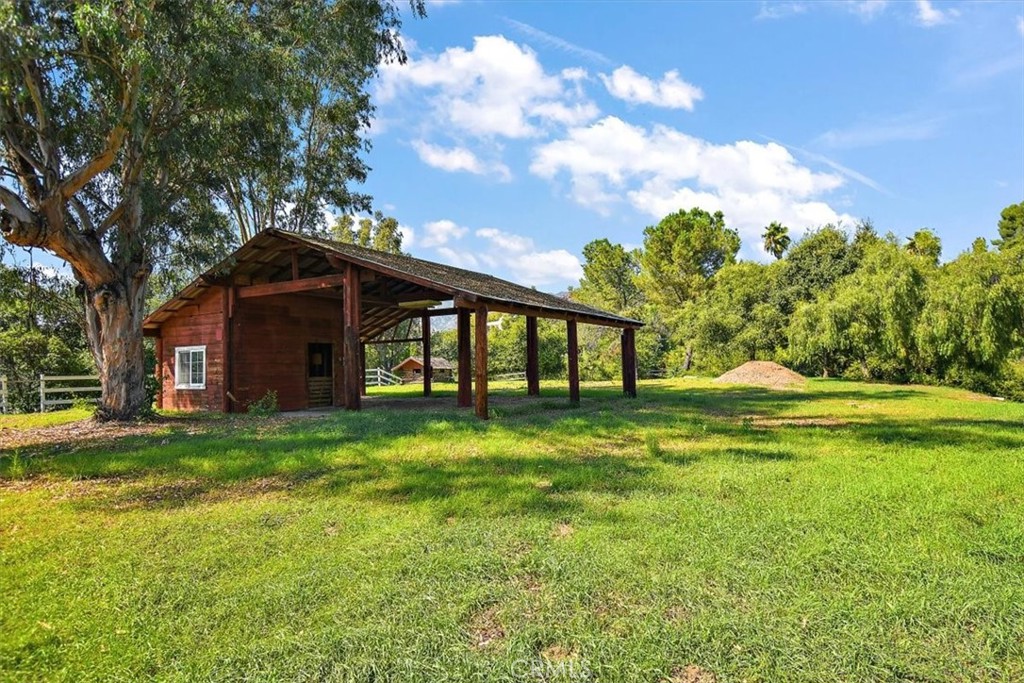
{"x":320,"y":374}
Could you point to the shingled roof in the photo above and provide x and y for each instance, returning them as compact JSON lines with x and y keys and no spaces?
{"x":443,"y":279}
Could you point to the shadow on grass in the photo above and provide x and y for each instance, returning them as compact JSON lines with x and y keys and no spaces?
{"x":537,"y":456}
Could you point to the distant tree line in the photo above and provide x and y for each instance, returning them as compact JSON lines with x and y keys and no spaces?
{"x":835,"y":303}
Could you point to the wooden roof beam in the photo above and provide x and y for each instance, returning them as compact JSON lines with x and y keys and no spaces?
{"x":291,"y":286}
{"x":541,"y":312}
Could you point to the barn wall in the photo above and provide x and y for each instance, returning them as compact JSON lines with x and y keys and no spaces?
{"x":198,"y":324}
{"x":269,"y":339}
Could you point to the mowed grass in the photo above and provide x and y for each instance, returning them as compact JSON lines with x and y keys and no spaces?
{"x":35,"y":420}
{"x":845,"y":532}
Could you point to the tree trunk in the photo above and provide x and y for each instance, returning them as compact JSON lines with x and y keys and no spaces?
{"x":114,"y":314}
{"x":689,"y":359}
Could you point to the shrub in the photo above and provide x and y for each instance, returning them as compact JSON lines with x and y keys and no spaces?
{"x":264,"y":406}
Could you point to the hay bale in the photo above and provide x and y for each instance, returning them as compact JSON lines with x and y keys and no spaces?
{"x":762,"y":373}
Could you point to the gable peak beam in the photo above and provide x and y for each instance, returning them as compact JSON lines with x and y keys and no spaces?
{"x":291,"y":286}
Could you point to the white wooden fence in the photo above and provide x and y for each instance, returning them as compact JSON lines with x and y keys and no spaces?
{"x":70,"y":393}
{"x":3,"y":395}
{"x":511,"y":377}
{"x":379,"y":377}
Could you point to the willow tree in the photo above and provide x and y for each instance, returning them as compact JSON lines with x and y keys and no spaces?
{"x":123,"y":125}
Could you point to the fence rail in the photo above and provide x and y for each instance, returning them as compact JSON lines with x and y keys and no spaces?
{"x":3,"y":395}
{"x":379,"y":377}
{"x":511,"y":377}
{"x":45,"y":392}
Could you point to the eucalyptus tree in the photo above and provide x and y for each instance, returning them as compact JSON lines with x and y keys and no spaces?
{"x":124,"y":125}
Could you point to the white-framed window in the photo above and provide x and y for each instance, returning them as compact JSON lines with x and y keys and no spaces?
{"x":190,"y":367}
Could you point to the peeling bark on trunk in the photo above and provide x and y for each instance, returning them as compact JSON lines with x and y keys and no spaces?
{"x":114,"y":315}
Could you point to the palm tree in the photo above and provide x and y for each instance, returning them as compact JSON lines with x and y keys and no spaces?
{"x":776,"y":239}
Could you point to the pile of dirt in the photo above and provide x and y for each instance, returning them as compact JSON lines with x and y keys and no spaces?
{"x":762,"y":373}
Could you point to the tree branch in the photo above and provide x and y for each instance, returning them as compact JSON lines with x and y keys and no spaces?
{"x":84,"y":219}
{"x":98,"y":164}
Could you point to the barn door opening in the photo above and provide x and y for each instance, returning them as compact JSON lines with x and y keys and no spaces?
{"x":320,"y":375}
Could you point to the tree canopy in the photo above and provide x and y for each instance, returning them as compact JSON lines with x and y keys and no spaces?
{"x":126,"y":128}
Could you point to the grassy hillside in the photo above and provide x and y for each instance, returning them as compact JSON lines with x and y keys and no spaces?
{"x":845,"y":532}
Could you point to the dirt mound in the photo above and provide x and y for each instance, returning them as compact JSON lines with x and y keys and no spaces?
{"x":763,"y":373}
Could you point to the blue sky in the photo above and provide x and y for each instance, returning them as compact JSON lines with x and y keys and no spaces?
{"x":519,"y":131}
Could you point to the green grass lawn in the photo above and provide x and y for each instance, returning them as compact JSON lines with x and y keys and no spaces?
{"x":52,"y":419}
{"x":846,"y":532}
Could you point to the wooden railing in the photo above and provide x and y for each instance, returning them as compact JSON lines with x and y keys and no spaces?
{"x":69,"y":392}
{"x":379,"y":377}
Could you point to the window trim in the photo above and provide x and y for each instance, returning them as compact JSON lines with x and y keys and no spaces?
{"x":178,"y":384}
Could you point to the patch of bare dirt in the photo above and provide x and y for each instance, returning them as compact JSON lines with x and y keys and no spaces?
{"x":485,"y":629}
{"x":558,"y":653}
{"x":76,"y":433}
{"x":691,"y":673}
{"x":761,"y":373}
{"x":678,"y":614}
{"x":759,"y":421}
{"x":563,"y":530}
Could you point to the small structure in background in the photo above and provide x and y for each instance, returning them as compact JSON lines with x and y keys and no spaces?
{"x":411,"y":370}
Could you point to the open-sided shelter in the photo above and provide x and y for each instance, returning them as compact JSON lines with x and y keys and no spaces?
{"x":293,"y":314}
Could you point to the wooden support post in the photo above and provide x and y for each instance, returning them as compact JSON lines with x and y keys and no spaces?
{"x":428,"y":369}
{"x":574,"y":361}
{"x":352,"y":364}
{"x":295,"y":264}
{"x":481,"y":363}
{"x":225,"y":350}
{"x":465,"y":373}
{"x":532,"y":357}
{"x":629,"y":362}
{"x":362,"y":369}
{"x":159,"y":372}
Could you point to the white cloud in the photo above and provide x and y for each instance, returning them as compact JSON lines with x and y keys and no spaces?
{"x":558,"y":43}
{"x":928,"y":15}
{"x":871,"y":133}
{"x":528,"y":265}
{"x":660,"y":170}
{"x":496,"y":89}
{"x":460,"y":259}
{"x":438,"y":233}
{"x":408,"y":236}
{"x":514,"y":256}
{"x":778,"y":10}
{"x":672,"y":91}
{"x":979,"y":73}
{"x":866,"y":9}
{"x":459,"y":159}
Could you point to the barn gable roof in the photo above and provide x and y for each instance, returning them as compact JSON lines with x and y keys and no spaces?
{"x":269,"y":253}
{"x":435,"y":362}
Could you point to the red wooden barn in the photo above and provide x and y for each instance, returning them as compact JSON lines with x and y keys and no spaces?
{"x":292,"y":314}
